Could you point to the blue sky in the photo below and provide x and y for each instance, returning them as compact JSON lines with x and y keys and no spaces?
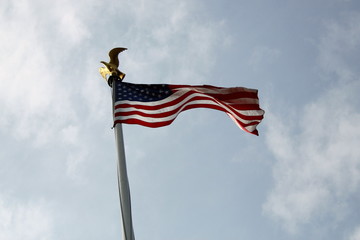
{"x":201,"y":177}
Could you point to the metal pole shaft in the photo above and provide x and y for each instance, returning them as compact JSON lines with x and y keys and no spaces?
{"x":123,"y":182}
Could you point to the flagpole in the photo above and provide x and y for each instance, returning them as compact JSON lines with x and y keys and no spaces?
{"x":123,"y":182}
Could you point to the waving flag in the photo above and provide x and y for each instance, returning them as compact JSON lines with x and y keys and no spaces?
{"x":157,"y":105}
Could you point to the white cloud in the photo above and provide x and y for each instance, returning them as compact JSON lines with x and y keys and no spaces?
{"x":25,"y":221}
{"x":34,"y":98}
{"x":356,"y":234}
{"x":263,"y":55}
{"x":39,"y":95}
{"x":70,"y":134}
{"x":70,"y":26}
{"x":73,"y":161}
{"x":40,"y":92}
{"x":77,"y":152}
{"x":318,"y":158}
{"x":167,"y":43}
{"x":318,"y":167}
{"x":341,"y":41}
{"x":50,"y":45}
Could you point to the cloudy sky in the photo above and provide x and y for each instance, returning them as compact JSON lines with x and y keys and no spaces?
{"x":201,"y":178}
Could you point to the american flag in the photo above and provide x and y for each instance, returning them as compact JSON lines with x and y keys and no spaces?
{"x":157,"y":105}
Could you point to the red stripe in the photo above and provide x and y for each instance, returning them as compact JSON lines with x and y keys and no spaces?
{"x":147,"y":107}
{"x":169,"y":113}
{"x":173,"y":87}
{"x":186,"y":107}
{"x":143,"y":123}
{"x":221,"y":97}
{"x":178,"y":100}
{"x":229,"y":94}
{"x":162,"y":124}
{"x":230,"y":98}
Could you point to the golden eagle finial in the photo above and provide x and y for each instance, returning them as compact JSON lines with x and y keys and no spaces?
{"x":111,"y":68}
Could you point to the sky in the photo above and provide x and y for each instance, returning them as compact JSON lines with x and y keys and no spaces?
{"x":201,"y":178}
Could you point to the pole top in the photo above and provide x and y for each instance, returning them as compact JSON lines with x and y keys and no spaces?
{"x":113,"y":78}
{"x":111,"y":67}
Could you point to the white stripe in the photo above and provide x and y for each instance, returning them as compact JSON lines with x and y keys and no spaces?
{"x":165,"y":119}
{"x":250,"y":128}
{"x":174,"y":96}
{"x":188,"y":102}
{"x":173,"y":116}
{"x":172,"y":107}
{"x":154,"y":103}
{"x":216,"y":90}
{"x":242,"y":101}
{"x":239,"y":101}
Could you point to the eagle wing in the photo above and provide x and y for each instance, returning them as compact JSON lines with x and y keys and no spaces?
{"x":113,"y":54}
{"x":104,"y":71}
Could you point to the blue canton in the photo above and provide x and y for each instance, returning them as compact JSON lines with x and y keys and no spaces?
{"x":141,"y":92}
